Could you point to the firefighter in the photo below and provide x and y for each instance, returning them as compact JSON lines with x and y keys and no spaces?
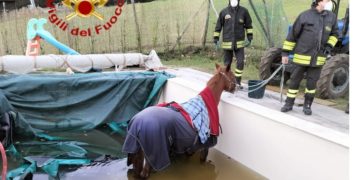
{"x":234,"y":21}
{"x":312,"y":37}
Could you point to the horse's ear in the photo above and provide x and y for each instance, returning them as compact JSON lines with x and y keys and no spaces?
{"x":218,"y":67}
{"x":228,"y":67}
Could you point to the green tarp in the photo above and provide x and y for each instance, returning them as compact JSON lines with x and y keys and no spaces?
{"x":61,"y":112}
{"x":77,"y":102}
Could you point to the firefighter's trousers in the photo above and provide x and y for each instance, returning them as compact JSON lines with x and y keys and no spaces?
{"x":312,"y":76}
{"x":240,"y":56}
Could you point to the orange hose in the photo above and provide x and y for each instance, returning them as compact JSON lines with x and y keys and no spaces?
{"x":4,"y":162}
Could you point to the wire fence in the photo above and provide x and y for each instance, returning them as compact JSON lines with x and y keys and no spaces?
{"x":164,"y":25}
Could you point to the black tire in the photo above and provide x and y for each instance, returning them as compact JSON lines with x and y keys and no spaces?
{"x":267,"y":67}
{"x":334,"y":78}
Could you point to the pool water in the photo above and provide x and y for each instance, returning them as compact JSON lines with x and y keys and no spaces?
{"x":217,"y":167}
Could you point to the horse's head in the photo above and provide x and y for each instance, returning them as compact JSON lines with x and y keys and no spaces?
{"x":227,"y":76}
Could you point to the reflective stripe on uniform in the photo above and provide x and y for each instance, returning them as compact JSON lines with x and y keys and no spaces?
{"x":240,"y":44}
{"x":292,"y":93}
{"x":249,"y":31}
{"x":302,"y":59}
{"x":238,"y":72}
{"x":305,"y":60}
{"x":216,"y":34}
{"x":226,"y":45}
{"x":332,"y":41}
{"x":310,"y":91}
{"x":289,"y":46}
{"x":320,"y":61}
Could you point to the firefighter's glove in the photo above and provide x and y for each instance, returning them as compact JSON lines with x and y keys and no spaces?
{"x":216,"y":40}
{"x":249,"y":39}
{"x":247,"y":43}
{"x":217,"y":43}
{"x":327,"y":50}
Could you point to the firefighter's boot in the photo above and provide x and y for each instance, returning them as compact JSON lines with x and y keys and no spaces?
{"x":307,"y":105}
{"x":289,"y":103}
{"x":238,"y":83}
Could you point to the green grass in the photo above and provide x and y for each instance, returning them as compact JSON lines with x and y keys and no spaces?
{"x":207,"y":65}
{"x":205,"y":61}
{"x":196,"y":62}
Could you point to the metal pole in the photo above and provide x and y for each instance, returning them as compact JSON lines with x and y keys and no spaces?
{"x":187,"y":26}
{"x":4,"y":7}
{"x":213,"y":7}
{"x":271,"y":43}
{"x":32,"y":4}
{"x":267,"y":35}
{"x":137,"y":27}
{"x":206,"y":25}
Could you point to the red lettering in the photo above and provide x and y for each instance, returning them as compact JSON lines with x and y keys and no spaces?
{"x":118,"y":11}
{"x":75,"y":31}
{"x":113,"y":20}
{"x":53,"y":18}
{"x":51,"y":11}
{"x":121,"y":3}
{"x":65,"y":27}
{"x":50,"y":4}
{"x":59,"y":21}
{"x":97,"y":29}
{"x":62,"y":24}
{"x":83,"y":33}
{"x":107,"y":26}
{"x":89,"y":32}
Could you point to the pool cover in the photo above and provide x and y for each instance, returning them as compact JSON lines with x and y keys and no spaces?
{"x":42,"y":105}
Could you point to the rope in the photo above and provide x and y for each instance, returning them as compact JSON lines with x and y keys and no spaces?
{"x":282,"y":84}
{"x":4,"y":162}
{"x":266,"y":81}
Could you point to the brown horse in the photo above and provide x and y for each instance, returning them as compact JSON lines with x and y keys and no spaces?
{"x":157,"y":131}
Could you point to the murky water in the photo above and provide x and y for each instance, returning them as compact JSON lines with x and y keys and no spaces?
{"x":217,"y":167}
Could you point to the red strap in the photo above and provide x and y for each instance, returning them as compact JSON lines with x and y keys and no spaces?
{"x":176,"y":106}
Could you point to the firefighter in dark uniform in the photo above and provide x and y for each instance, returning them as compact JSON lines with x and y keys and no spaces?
{"x":235,"y":21}
{"x":311,"y":38}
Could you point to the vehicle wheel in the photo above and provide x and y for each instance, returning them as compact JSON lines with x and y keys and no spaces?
{"x":267,"y":66}
{"x":334,"y":78}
